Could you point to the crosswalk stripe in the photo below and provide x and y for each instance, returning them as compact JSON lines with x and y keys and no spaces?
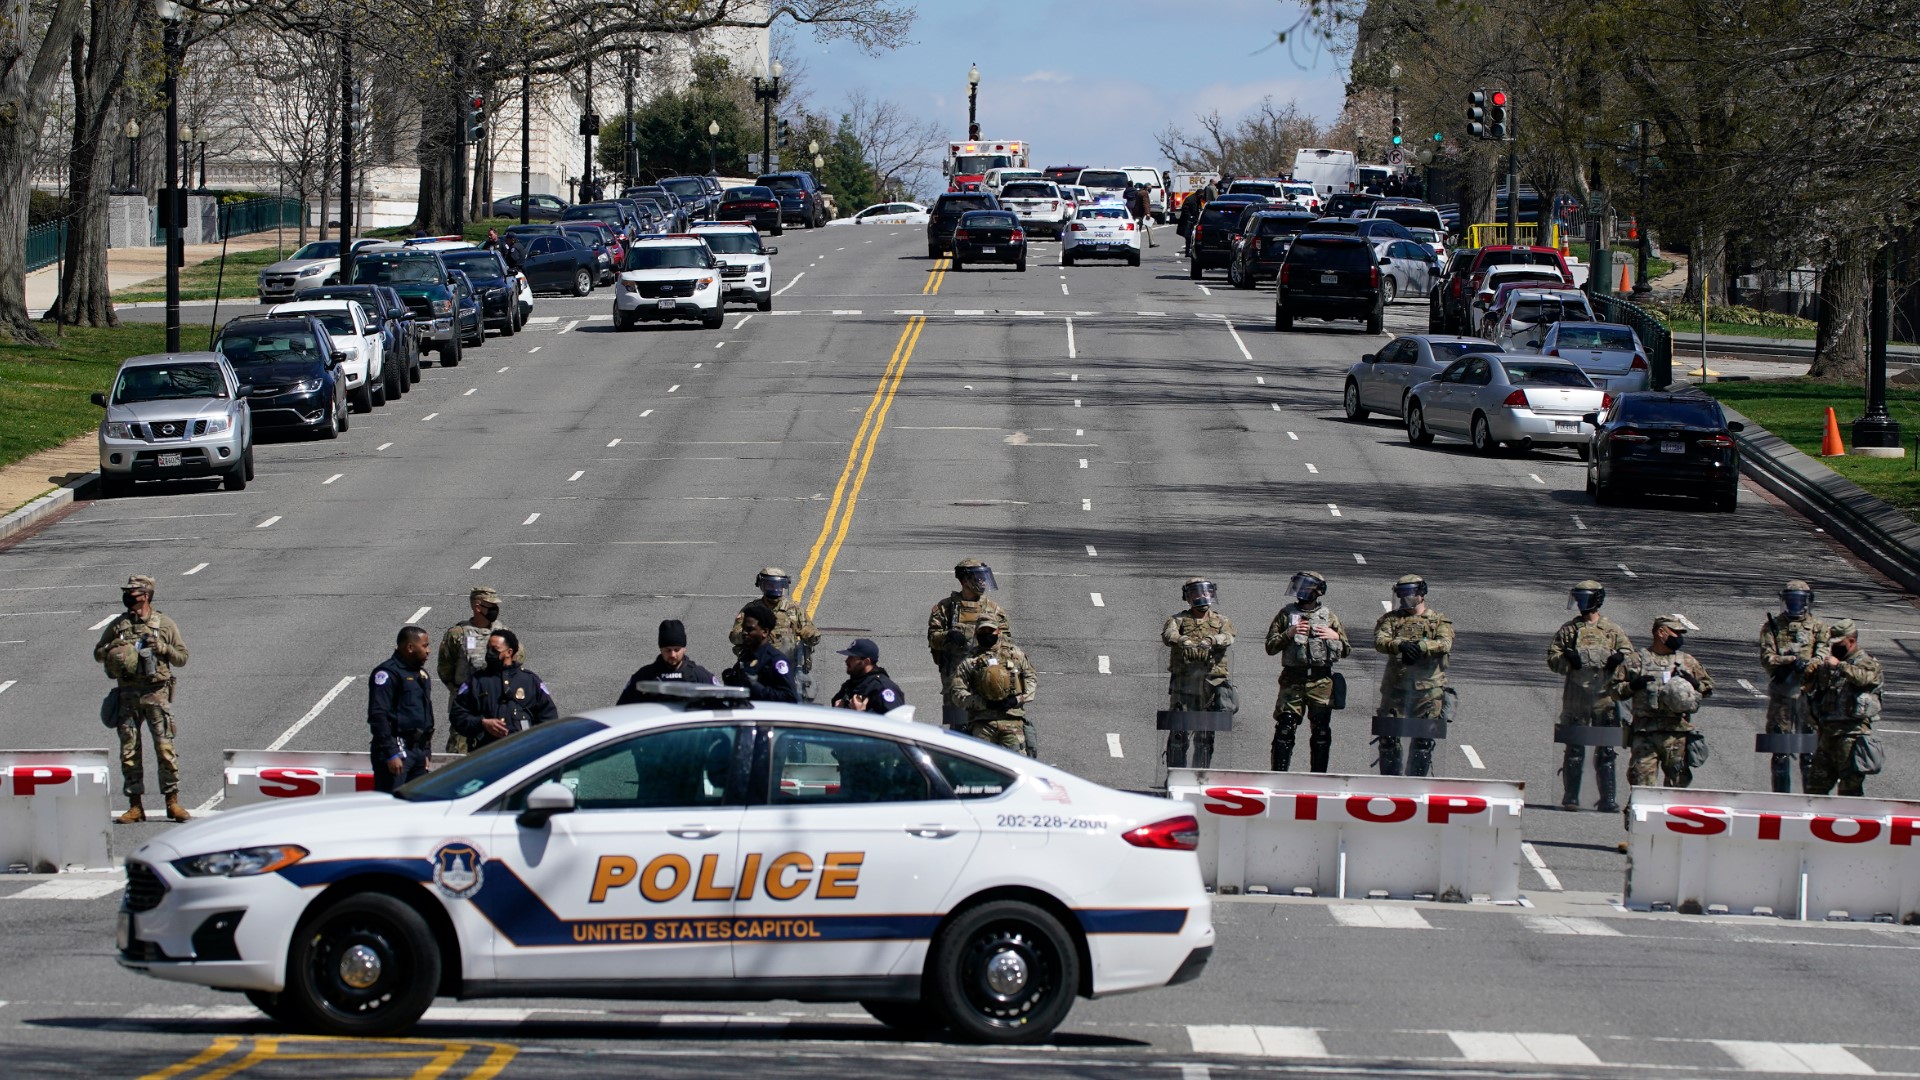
{"x":1813,"y":1059}
{"x":1567,"y":924}
{"x":1224,"y":1039}
{"x":1523,"y":1046}
{"x":1379,"y":917}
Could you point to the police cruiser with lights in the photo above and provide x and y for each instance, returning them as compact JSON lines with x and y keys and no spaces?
{"x":703,"y":847}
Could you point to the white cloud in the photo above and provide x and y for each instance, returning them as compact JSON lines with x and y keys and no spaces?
{"x":1045,"y":76}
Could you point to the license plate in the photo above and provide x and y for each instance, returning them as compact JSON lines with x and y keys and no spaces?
{"x":669,"y":303}
{"x":123,"y":931}
{"x":169,"y":461}
{"x":1566,"y":425}
{"x":988,"y":250}
{"x":1668,"y":446}
{"x":1329,"y":279}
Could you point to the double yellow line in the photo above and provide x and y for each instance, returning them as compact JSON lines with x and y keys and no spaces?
{"x":846,"y":493}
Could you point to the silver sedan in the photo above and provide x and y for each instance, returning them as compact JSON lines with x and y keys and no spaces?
{"x":1523,"y":401}
{"x":1610,"y":353}
{"x":1380,"y":381}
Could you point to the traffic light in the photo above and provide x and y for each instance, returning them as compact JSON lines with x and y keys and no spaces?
{"x":1501,"y":127}
{"x":357,"y":115}
{"x":786,"y":132}
{"x":1397,"y":139}
{"x":1439,"y":136}
{"x":474,"y":107}
{"x":1477,"y":113}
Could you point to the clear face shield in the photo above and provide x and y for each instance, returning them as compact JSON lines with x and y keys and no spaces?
{"x":1586,"y":601}
{"x":1307,"y":589}
{"x":1797,"y":601}
{"x":980,"y":577}
{"x":773,"y":585}
{"x":1197,"y":593}
{"x":1408,"y":597}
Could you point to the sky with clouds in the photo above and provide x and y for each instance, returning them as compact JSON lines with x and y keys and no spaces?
{"x":1087,"y":82}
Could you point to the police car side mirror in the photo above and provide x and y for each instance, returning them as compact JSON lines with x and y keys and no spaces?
{"x":543,"y":802}
{"x":771,"y":251}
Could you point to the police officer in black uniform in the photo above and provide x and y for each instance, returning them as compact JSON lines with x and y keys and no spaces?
{"x":764,"y":671}
{"x":672,"y":665}
{"x":501,"y":698}
{"x":400,"y":710}
{"x":867,"y":689}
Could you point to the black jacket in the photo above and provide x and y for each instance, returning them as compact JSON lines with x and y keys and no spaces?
{"x":399,"y":707}
{"x":658,"y":671}
{"x":881,"y":692}
{"x":767,"y":676}
{"x":512,"y":693}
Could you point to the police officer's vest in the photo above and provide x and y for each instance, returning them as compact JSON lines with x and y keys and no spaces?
{"x":1315,"y":652}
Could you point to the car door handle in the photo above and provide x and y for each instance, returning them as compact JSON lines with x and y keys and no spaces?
{"x":930,"y":832}
{"x":694,"y":832}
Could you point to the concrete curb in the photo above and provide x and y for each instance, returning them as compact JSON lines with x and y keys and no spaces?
{"x":41,"y":508}
{"x":1886,"y":538}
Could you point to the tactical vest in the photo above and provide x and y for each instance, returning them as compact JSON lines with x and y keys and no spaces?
{"x":1314,"y":652}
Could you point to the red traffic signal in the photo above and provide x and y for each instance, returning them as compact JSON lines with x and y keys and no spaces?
{"x":478,"y":102}
{"x":1499,"y":97}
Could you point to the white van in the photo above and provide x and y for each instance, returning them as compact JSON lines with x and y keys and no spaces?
{"x":1329,"y":171}
{"x":1150,"y":179}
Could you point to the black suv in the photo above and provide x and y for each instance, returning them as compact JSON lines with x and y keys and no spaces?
{"x":799,"y":197}
{"x":1329,"y":277}
{"x":1211,"y":246}
{"x":493,"y":285}
{"x":1262,"y":244}
{"x":693,"y":194}
{"x":945,"y":217}
{"x":290,"y":372}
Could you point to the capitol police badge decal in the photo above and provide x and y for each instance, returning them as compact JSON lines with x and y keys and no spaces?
{"x":457,"y":869}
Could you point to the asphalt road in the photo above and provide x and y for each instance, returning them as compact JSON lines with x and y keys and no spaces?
{"x":1097,"y":434}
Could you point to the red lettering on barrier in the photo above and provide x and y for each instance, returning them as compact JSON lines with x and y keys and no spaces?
{"x":1769,"y":826}
{"x":1442,"y":808}
{"x":362,"y":781}
{"x":1361,"y":806}
{"x":1306,"y":807}
{"x":1235,"y":802}
{"x":292,"y":783}
{"x":28,"y":778}
{"x":1696,"y":820}
{"x":1901,"y":831}
{"x":1865,"y":829}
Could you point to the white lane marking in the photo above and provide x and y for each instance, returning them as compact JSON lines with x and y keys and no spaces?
{"x":1748,"y":687}
{"x":10,"y":682}
{"x":791,"y":284}
{"x":1074,"y":377}
{"x":1260,"y":380}
{"x":1248,"y":1040}
{"x":1106,"y":666}
{"x":418,"y":615}
{"x":1076,"y":403}
{"x":1098,"y":600}
{"x":1086,"y":504}
{"x":1359,"y":558}
{"x":1333,"y":509}
{"x":428,"y":417}
{"x":267,"y":524}
{"x":673,"y":388}
{"x":1822,"y":1059}
{"x":1077,"y":432}
{"x":1290,"y":434}
{"x":1238,"y":342}
{"x":1063,"y":289}
{"x":646,"y":413}
{"x":503,"y":370}
{"x":613,"y":444}
{"x":311,"y":714}
{"x":1473,"y":756}
{"x":717,"y":344}
{"x":531,"y":518}
{"x":470,"y":392}
{"x":577,"y":475}
{"x":1536,"y":478}
{"x":535,"y":349}
{"x":1540,"y":866}
{"x":1568,"y":924}
{"x":484,"y":560}
{"x":1113,"y":745}
{"x":1379,"y":917}
{"x":1624,"y":570}
{"x":1202,"y":288}
{"x":196,"y":569}
{"x":1083,"y":463}
{"x":742,"y":322}
{"x":1523,"y":1046}
{"x":1310,"y":468}
{"x":569,"y":326}
{"x":102,"y":624}
{"x":1090,"y":554}
{"x":1578,"y":524}
{"x":383,"y":446}
{"x":1276,"y":408}
{"x":83,"y":889}
{"x":332,"y":478}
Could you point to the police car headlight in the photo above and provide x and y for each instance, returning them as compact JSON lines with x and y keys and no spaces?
{"x":247,"y":862}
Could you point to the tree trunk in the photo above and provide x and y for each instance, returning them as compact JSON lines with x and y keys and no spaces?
{"x":99,"y":68}
{"x":1709,"y":257}
{"x":29,"y":69}
{"x":1840,"y":349}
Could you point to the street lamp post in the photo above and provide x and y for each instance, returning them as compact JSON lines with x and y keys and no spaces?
{"x":1877,"y":433}
{"x":713,"y":163}
{"x":186,"y":150}
{"x":766,"y":91}
{"x":133,"y":157}
{"x":973,"y":101}
{"x":171,"y":210}
{"x":202,"y":189}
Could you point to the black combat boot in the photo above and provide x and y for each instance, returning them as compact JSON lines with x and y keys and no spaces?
{"x":1420,"y":762}
{"x":1782,"y":770}
{"x":1176,"y":749}
{"x":1603,"y":780}
{"x":1572,"y":764}
{"x":1320,"y":742}
{"x":1389,"y":759}
{"x":1280,"y":756}
{"x":1203,"y":749}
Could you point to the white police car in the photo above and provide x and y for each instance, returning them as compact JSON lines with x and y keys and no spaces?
{"x":710,"y":849}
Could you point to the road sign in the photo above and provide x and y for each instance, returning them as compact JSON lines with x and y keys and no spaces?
{"x":1394,"y":157}
{"x":753,"y":163}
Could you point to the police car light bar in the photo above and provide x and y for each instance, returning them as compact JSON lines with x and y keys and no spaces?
{"x":697,"y":695}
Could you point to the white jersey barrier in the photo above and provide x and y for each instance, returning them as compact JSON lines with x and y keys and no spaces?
{"x":55,"y":808}
{"x":1341,"y":836}
{"x":264,"y":776}
{"x":1755,"y":852}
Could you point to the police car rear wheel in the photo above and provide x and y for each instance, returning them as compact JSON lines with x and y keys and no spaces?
{"x":367,"y":965}
{"x":1004,"y":972}
{"x":277,"y":1006}
{"x":907,"y":1017}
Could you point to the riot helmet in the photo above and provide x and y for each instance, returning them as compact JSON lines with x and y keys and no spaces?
{"x":1798,"y":598}
{"x":1409,"y":591}
{"x":1198,"y":592}
{"x":773,"y":581}
{"x":1587,"y":596}
{"x":1307,"y":588}
{"x":979,"y":574}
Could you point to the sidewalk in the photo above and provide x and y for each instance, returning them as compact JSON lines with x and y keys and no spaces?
{"x":37,"y":474}
{"x":138,"y":265}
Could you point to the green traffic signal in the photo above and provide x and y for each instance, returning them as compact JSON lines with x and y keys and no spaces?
{"x":1439,"y":136}
{"x":1397,"y":140}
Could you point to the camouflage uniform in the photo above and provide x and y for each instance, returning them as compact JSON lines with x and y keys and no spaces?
{"x":1580,"y":651}
{"x":1844,"y":699}
{"x":985,"y":719}
{"x":1412,"y":689}
{"x":1196,"y":666}
{"x":146,"y":697}
{"x":1659,"y":731}
{"x":463,"y":650}
{"x":1789,"y":645}
{"x":957,"y":612}
{"x":1306,"y":682}
{"x":793,"y":628}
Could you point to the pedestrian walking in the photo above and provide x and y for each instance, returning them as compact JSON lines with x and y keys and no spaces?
{"x":400,"y":711}
{"x":463,"y":649}
{"x":868,"y":687}
{"x":1141,"y":210}
{"x":671,"y":666}
{"x":501,"y":698}
{"x":1790,"y":642}
{"x":139,"y":649}
{"x":1308,"y":638}
{"x":1417,"y":641}
{"x":1197,"y":641}
{"x":1666,"y":686}
{"x":1585,"y":651}
{"x":1843,"y":692}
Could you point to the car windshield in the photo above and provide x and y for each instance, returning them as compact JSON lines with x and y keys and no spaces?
{"x":978,"y":164}
{"x":951,"y":205}
{"x":487,"y":765}
{"x":1544,"y":311}
{"x":1218,"y":214}
{"x":388,"y":271}
{"x":782,"y":183}
{"x":1028,"y":190}
{"x":676,"y":256}
{"x":1278,"y":226}
{"x":1528,"y":258}
{"x":319,"y":249}
{"x":609,"y":214}
{"x":688,"y":188}
{"x":1114,"y":212}
{"x":990,"y":219}
{"x":1330,"y":256}
{"x":588,"y":235}
{"x":1596,"y":337}
{"x":732,"y":241}
{"x":1102,"y":178}
{"x":1411,"y":216}
{"x":1523,"y":374}
{"x":1670,"y":412}
{"x":477,"y":264}
{"x":266,"y":345}
{"x":336,"y":322}
{"x":746,"y":194}
{"x":169,"y":382}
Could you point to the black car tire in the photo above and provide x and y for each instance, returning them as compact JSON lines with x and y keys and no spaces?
{"x":764,"y":303}
{"x":278,"y":1007}
{"x":1417,"y":432}
{"x":450,"y":352}
{"x":914,"y":1018}
{"x":1584,"y":451}
{"x":235,"y":479}
{"x":1592,"y":488}
{"x":1133,"y":259}
{"x":114,"y":487}
{"x":1377,"y":322}
{"x":361,"y":399}
{"x":582,"y":282}
{"x":1021,"y":266}
{"x":1282,"y":318}
{"x":956,"y":265}
{"x":391,"y":380}
{"x":933,"y":250}
{"x":339,"y":424}
{"x":1350,"y":401}
{"x":407,"y":974}
{"x":1604,"y":493}
{"x":714,"y":321}
{"x":624,"y":320}
{"x":507,"y":329}
{"x":1727,"y":503}
{"x":957,"y":967}
{"x":1193,"y":268}
{"x":413,"y":364}
{"x":246,"y":461}
{"x":1066,"y":258}
{"x":778,"y":230}
{"x":479,"y":335}
{"x":1238,"y":277}
{"x":1436,"y":318}
{"x":1482,"y":434}
{"x":377,"y":388}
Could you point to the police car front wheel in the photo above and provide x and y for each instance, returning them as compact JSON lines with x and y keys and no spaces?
{"x":1004,"y":972}
{"x":367,"y":965}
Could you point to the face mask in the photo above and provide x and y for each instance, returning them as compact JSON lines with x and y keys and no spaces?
{"x":1676,"y":642}
{"x":987,"y":640}
{"x":1840,"y":650}
{"x":493,"y":612}
{"x":494,"y":663}
{"x":129,"y":600}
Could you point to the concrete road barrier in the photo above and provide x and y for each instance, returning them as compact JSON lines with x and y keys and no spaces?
{"x":55,"y":809}
{"x":258,"y":776}
{"x":1353,"y":836}
{"x":1756,"y":852}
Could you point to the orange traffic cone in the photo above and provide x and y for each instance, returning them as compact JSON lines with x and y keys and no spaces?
{"x":1626,"y":283}
{"x":1830,"y":445}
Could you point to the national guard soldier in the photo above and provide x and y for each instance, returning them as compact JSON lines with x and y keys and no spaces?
{"x":1417,"y":641}
{"x":765,"y":672}
{"x":1789,"y":643}
{"x":950,"y":626}
{"x":672,"y":665}
{"x":502,"y":697}
{"x":994,"y":685}
{"x":1586,"y":650}
{"x":400,"y":711}
{"x":868,"y":688}
{"x":1308,"y":638}
{"x":1197,"y":641}
{"x":1665,"y":685}
{"x":796,"y":635}
{"x":140,"y":649}
{"x":1843,"y":693}
{"x":463,"y":650}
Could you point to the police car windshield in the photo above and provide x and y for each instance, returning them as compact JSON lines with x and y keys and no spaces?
{"x":733,"y":241}
{"x":487,"y":766}
{"x":677,"y":256}
{"x":1116,"y":212}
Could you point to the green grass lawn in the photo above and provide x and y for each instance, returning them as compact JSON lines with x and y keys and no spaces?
{"x":1683,"y":330}
{"x":43,"y":391}
{"x":198,"y":282}
{"x":1796,"y":410}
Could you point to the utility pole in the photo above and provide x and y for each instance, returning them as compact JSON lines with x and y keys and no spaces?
{"x":526,"y":139}
{"x":589,"y":126}
{"x":346,"y":150}
{"x":173,"y":200}
{"x":630,"y":155}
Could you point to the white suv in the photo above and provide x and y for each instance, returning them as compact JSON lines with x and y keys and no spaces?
{"x":746,"y":266}
{"x":361,"y":345}
{"x":668,"y":277}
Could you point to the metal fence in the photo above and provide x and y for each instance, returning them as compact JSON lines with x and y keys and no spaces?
{"x":1653,"y":334}
{"x":258,"y":215}
{"x":45,"y":244}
